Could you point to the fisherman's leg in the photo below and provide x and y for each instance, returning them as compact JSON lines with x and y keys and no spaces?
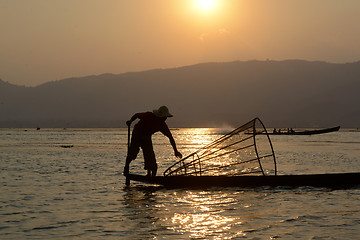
{"x":150,"y":163}
{"x":149,"y":158}
{"x":132,"y":153}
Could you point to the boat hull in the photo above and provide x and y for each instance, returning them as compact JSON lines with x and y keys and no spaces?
{"x":315,"y":180}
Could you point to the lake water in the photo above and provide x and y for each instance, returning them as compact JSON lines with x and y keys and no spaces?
{"x":68,"y":184}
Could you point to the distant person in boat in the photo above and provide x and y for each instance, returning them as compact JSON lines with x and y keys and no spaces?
{"x":150,"y":123}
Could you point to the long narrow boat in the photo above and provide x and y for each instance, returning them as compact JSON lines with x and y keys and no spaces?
{"x":241,"y":158}
{"x":306,"y":132}
{"x":333,"y":180}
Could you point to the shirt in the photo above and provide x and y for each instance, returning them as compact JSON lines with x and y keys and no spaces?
{"x":150,"y":124}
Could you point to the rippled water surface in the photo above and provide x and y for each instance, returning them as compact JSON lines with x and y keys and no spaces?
{"x":67,"y":184}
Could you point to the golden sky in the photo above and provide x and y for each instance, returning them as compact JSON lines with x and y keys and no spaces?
{"x":47,"y":40}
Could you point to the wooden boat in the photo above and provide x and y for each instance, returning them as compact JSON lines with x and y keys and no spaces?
{"x":306,"y":132}
{"x":331,"y":180}
{"x":240,"y":159}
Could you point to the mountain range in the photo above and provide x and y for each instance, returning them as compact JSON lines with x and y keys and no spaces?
{"x":290,"y":93}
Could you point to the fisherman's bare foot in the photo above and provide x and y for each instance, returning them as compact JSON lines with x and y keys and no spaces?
{"x":154,"y":171}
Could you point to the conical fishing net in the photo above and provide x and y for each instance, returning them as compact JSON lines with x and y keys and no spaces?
{"x":245,"y":150}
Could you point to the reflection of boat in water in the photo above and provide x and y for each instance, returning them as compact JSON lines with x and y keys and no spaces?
{"x":239,"y":159}
{"x":306,"y":132}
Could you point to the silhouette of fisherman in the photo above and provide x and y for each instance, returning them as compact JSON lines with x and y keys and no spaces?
{"x":150,"y":123}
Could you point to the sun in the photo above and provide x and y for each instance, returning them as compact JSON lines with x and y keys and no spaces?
{"x":206,"y":5}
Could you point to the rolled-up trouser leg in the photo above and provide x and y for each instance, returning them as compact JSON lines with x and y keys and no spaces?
{"x":149,"y":156}
{"x":132,"y":153}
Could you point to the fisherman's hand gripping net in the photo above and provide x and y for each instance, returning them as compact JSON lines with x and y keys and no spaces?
{"x":242,"y":151}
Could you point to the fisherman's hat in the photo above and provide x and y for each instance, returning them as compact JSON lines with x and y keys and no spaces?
{"x":163,"y":111}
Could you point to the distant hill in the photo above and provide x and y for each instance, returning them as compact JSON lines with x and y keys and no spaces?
{"x":289,"y":93}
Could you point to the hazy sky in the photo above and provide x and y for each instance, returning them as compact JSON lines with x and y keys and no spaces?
{"x":47,"y":40}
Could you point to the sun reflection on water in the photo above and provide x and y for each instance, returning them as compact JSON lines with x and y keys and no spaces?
{"x":201,"y":225}
{"x":205,"y":215}
{"x":196,"y":138}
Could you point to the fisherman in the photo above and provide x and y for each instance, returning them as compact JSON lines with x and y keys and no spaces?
{"x":150,"y":123}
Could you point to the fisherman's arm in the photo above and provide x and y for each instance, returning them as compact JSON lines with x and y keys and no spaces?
{"x":173,"y":144}
{"x":133,"y":118}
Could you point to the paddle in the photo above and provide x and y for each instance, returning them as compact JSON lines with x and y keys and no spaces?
{"x":127,"y":183}
{"x":128,"y":144}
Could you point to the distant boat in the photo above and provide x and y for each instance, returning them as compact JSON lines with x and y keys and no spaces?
{"x":306,"y":132}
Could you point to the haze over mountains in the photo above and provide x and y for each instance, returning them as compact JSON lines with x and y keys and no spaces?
{"x":289,"y":93}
